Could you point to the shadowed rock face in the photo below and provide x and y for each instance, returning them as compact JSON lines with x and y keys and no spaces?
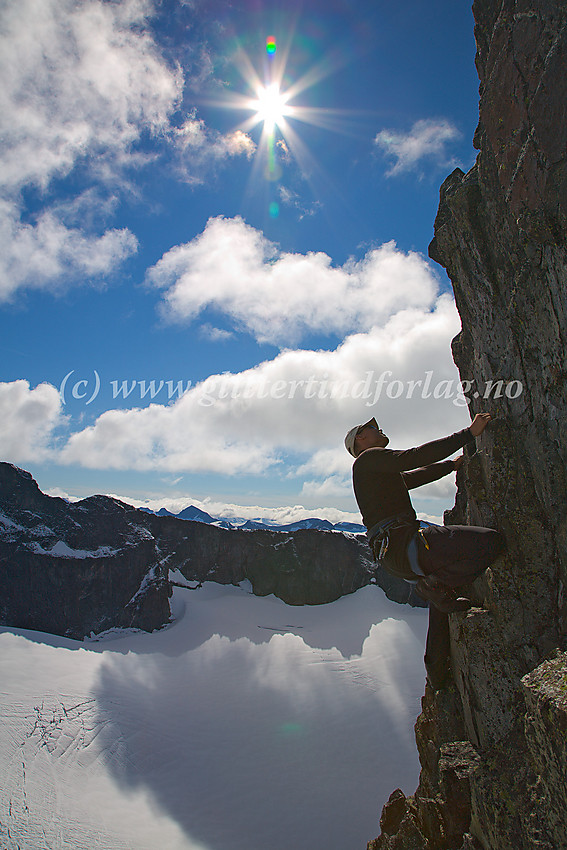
{"x":73,"y":568}
{"x":501,"y":233}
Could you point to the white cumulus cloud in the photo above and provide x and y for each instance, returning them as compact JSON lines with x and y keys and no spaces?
{"x":28,"y":420}
{"x":279,"y":297}
{"x":427,"y":139}
{"x":49,"y":254}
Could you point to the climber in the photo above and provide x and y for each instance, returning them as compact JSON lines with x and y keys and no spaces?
{"x":436,"y":558}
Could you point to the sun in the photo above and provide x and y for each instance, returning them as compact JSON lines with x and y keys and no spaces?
{"x":271,"y":106}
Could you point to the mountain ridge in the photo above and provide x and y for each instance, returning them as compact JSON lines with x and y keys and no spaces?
{"x":72,"y":568}
{"x":197,"y":514}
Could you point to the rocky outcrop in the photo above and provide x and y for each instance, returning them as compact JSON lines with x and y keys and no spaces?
{"x":492,"y":745}
{"x":74,"y":568}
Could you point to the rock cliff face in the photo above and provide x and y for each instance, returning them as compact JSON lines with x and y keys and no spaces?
{"x":97,"y":564}
{"x":493,"y":745}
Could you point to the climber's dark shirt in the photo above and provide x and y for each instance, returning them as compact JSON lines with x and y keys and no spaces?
{"x":382,"y":477}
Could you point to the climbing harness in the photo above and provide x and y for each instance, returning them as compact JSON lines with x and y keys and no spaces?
{"x":407,"y":565}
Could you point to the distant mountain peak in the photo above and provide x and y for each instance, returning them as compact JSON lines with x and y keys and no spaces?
{"x":198,"y":515}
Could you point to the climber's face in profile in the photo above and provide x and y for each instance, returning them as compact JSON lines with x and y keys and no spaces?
{"x":370,"y":436}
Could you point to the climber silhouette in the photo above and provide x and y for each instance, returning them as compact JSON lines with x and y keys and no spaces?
{"x":436,"y":558}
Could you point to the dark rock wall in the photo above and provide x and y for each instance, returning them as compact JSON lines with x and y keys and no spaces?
{"x":501,"y":233}
{"x":97,"y":564}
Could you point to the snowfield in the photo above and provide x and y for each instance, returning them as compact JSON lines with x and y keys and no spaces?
{"x":244,"y":725}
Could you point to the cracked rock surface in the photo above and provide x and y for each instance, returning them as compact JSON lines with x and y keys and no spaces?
{"x":501,"y":233}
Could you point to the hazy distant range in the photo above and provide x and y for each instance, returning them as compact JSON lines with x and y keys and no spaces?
{"x":198,"y":515}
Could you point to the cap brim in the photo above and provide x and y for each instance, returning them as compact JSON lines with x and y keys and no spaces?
{"x":370,"y":422}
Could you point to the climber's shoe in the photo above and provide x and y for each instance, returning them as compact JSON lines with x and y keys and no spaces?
{"x":441,"y":596}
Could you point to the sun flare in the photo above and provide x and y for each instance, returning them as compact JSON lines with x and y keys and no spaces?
{"x":268,"y":102}
{"x":271,"y":106}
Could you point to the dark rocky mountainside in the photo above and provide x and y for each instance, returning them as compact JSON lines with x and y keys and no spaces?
{"x":493,"y":745}
{"x":74,"y":568}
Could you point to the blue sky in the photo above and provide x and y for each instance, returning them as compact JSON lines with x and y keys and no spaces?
{"x":153,"y":229}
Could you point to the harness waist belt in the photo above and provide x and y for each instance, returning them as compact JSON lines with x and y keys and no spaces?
{"x":386,"y":524}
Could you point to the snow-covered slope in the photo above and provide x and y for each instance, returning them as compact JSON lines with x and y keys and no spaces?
{"x":247,"y":724}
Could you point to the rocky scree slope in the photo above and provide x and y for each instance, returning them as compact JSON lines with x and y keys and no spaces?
{"x":493,"y":745}
{"x":88,"y":566}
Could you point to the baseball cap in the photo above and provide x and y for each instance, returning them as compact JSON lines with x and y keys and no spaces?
{"x":351,"y":436}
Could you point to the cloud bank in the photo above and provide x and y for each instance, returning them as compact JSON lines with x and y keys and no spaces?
{"x":78,"y":79}
{"x":82,"y":83}
{"x":281,"y":297}
{"x":289,"y":413}
{"x":286,"y":416}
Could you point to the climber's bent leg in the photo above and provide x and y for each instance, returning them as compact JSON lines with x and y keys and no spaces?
{"x":458,"y":554}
